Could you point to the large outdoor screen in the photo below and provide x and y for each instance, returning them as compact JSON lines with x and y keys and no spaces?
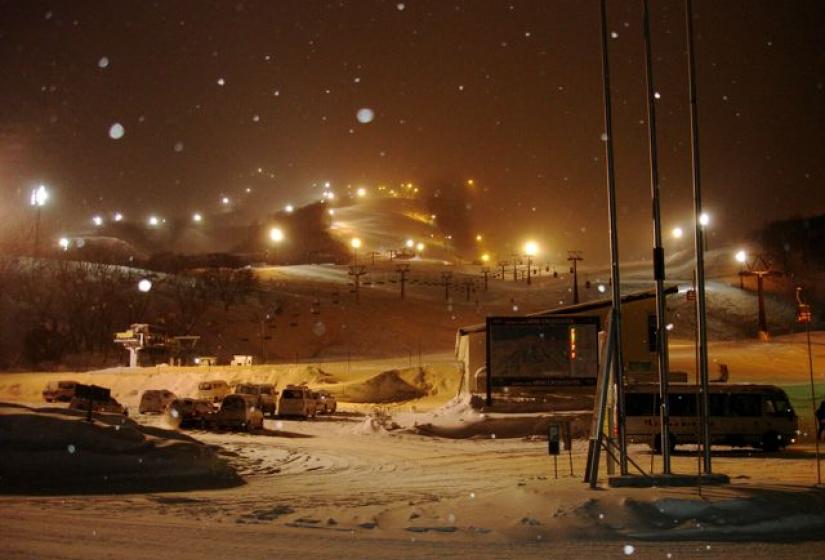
{"x":542,"y":351}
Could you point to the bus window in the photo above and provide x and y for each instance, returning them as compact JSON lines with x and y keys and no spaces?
{"x":682,"y":404}
{"x":777,"y":405}
{"x":640,"y":404}
{"x":717,"y":404}
{"x":746,"y":404}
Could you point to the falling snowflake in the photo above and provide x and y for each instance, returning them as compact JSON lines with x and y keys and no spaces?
{"x":221,"y":81}
{"x":400,"y":6}
{"x":71,"y":448}
{"x":629,"y":549}
{"x":256,"y":118}
{"x":365,"y":115}
{"x":178,"y":146}
{"x":116,"y":131}
{"x":614,"y":35}
{"x":103,"y":62}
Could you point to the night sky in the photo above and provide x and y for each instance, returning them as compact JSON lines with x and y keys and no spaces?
{"x":506,"y":93}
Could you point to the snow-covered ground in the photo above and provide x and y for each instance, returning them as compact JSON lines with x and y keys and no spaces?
{"x":374,"y":482}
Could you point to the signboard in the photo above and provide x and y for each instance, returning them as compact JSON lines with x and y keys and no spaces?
{"x":554,"y":350}
{"x":553,"y":439}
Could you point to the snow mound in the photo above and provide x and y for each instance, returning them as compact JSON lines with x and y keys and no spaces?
{"x":395,"y":385}
{"x":111,"y":454}
{"x":458,"y":419}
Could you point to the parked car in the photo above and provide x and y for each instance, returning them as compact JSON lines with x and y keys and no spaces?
{"x":111,"y":406}
{"x":325,"y":402}
{"x":239,"y":412}
{"x":297,"y":400}
{"x":60,"y":391}
{"x":155,"y":400}
{"x":213,"y":391}
{"x":265,"y":393}
{"x":191,"y":412}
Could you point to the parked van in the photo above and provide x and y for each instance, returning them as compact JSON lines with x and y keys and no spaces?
{"x":740,"y":415}
{"x":213,"y":391}
{"x":297,"y":400}
{"x":265,"y":394}
{"x":239,"y":412}
{"x":60,"y":391}
{"x":155,"y":401}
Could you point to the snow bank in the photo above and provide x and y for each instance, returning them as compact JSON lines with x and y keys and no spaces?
{"x":388,"y":387}
{"x":55,"y":450}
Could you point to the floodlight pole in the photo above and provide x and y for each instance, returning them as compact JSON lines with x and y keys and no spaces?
{"x":658,"y":254}
{"x":701,"y":316}
{"x":485,"y":271}
{"x":575,"y":257}
{"x":618,"y":363}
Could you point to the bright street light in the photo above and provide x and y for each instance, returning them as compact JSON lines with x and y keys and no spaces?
{"x":118,"y":217}
{"x":64,"y":243}
{"x":531,"y":248}
{"x":225,"y":200}
{"x":153,"y":221}
{"x":479,"y":237}
{"x":361,"y":192}
{"x":196,"y":217}
{"x":39,"y":196}
{"x":410,"y":243}
{"x":678,"y":233}
{"x":704,"y":219}
{"x":419,"y":247}
{"x":741,"y":256}
{"x":485,"y":258}
{"x":276,"y":234}
{"x":97,"y":220}
{"x":355,"y":243}
{"x":289,"y":209}
{"x":144,"y":285}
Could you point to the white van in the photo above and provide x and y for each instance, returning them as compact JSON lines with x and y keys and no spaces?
{"x":297,"y":400}
{"x":213,"y":391}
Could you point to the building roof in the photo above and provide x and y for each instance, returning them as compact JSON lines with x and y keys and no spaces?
{"x":580,"y":307}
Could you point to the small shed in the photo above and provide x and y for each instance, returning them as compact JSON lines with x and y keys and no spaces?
{"x":638,"y":334}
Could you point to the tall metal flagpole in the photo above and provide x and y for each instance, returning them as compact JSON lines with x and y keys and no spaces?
{"x":618,"y":362}
{"x":701,"y":327}
{"x":658,"y":253}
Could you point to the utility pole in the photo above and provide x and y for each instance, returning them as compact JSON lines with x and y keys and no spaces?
{"x":485,"y":271}
{"x":502,"y":265}
{"x":402,"y":270}
{"x":658,"y":254}
{"x":356,"y":271}
{"x":446,"y":278}
{"x":575,"y":257}
{"x":699,"y":244}
{"x":372,"y":255}
{"x":469,"y":284}
{"x":617,"y":357}
{"x":761,"y":267}
{"x":803,"y":315}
